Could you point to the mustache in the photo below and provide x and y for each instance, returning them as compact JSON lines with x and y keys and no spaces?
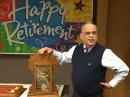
{"x":91,"y":39}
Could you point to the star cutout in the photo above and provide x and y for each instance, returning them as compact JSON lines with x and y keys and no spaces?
{"x":79,"y":5}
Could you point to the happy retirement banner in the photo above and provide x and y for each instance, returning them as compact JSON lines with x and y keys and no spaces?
{"x":27,"y":25}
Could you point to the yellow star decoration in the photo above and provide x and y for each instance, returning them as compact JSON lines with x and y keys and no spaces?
{"x":73,"y":15}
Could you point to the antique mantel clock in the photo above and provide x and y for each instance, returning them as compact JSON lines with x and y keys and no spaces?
{"x":42,"y":66}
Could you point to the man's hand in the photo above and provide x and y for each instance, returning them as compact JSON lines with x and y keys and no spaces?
{"x":106,"y":85}
{"x":45,"y":49}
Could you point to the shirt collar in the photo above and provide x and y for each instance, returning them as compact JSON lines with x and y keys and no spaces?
{"x":89,"y":48}
{"x":84,"y":46}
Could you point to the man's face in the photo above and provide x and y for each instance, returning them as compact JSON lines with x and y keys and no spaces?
{"x":89,"y":35}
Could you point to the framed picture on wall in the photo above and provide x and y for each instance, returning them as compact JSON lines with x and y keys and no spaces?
{"x":27,"y":25}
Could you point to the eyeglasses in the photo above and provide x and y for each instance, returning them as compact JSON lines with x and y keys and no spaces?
{"x":88,"y":33}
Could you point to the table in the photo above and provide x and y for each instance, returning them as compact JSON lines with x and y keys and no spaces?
{"x":27,"y":86}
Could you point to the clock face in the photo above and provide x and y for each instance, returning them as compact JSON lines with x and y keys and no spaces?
{"x":42,"y":66}
{"x":43,"y":78}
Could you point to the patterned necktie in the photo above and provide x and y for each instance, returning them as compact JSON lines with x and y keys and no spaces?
{"x":86,"y":50}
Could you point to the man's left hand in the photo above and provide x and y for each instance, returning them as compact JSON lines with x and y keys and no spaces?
{"x":106,"y":85}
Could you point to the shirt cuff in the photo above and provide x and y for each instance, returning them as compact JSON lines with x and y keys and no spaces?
{"x":58,"y":56}
{"x":55,"y":53}
{"x":113,"y":83}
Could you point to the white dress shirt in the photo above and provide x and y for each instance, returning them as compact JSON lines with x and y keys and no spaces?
{"x":109,"y":60}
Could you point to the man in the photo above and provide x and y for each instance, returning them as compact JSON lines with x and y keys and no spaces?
{"x":89,"y":61}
